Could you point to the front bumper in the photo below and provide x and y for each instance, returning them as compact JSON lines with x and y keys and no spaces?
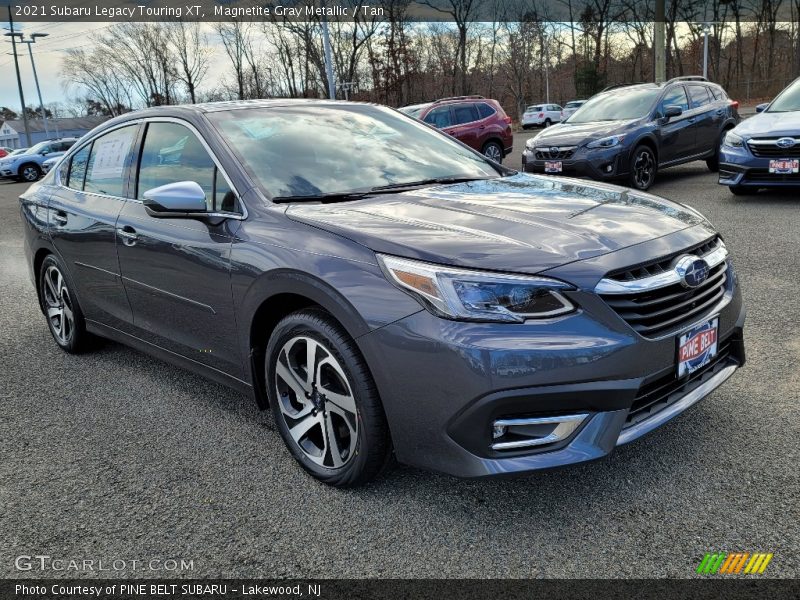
{"x":600,"y":165}
{"x":738,"y":167}
{"x":443,"y":383}
{"x":7,"y":172}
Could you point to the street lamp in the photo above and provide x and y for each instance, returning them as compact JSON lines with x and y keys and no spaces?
{"x":706,"y":31}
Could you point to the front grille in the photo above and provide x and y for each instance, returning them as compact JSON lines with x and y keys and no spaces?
{"x":654,"y":267}
{"x":657,"y":395}
{"x":654,"y":313}
{"x":765,"y":177}
{"x":772,"y":150}
{"x":563,"y":153}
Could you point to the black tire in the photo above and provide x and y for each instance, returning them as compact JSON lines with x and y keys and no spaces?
{"x":61,"y":307}
{"x":493,"y":151}
{"x":547,"y":123}
{"x":29,"y":172}
{"x":739,"y":190}
{"x":643,"y":168}
{"x":369,"y":446}
{"x":713,"y":162}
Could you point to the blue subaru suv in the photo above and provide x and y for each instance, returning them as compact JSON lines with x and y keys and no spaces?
{"x":764,"y":151}
{"x":630,"y":132}
{"x":28,"y":165}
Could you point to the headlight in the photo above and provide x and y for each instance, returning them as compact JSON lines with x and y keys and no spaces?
{"x":607,"y":142}
{"x":475,"y":295}
{"x":733,"y":141}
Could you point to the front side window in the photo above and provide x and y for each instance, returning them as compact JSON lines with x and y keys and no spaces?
{"x":312,"y":150}
{"x":107,"y":165}
{"x":675,"y":97}
{"x":173,"y":153}
{"x":439,"y":117}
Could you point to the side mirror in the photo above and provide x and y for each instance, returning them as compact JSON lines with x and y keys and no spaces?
{"x":44,"y":153}
{"x":762,"y":107}
{"x":671,"y":111}
{"x":181,"y":199}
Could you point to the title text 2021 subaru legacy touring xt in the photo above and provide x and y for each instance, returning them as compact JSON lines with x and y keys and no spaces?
{"x":383,"y":288}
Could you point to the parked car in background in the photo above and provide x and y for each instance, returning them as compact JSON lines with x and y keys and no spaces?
{"x":4,"y":151}
{"x":404,"y":298}
{"x":570,"y":108}
{"x":764,"y":150}
{"x":541,"y":115}
{"x":50,"y":163}
{"x":27,"y":166}
{"x":629,"y":132}
{"x":480,"y":123}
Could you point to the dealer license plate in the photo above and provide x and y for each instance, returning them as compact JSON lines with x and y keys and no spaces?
{"x":784,"y":166}
{"x":697,"y":347}
{"x":553,"y":166}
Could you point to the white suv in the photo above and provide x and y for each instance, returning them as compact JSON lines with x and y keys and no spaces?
{"x":541,"y":114}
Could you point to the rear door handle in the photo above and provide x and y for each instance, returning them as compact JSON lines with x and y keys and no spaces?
{"x":60,"y":217}
{"x":128,"y":235}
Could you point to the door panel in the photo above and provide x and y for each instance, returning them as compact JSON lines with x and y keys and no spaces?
{"x":678,"y":134}
{"x":466,"y":128}
{"x":703,"y":107}
{"x":176,"y":271}
{"x":83,"y":226}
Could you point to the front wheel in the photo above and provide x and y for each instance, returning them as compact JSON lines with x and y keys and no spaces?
{"x":324,"y":401}
{"x":547,"y":122}
{"x":493,"y":151}
{"x":30,"y":173}
{"x":643,"y":168}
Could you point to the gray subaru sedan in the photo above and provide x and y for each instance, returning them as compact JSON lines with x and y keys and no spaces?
{"x":386,"y":291}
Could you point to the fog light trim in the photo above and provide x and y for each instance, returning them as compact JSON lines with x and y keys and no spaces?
{"x":565,"y":426}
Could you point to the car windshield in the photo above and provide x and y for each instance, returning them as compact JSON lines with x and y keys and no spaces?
{"x":35,"y":149}
{"x":788,"y":100}
{"x":573,"y":104}
{"x":619,"y":105}
{"x":295,"y":151}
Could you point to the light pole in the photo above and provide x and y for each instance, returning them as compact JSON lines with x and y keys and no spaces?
{"x":30,"y":43}
{"x":19,"y":79}
{"x":706,"y":30}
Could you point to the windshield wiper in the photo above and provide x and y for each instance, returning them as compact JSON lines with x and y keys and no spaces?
{"x":381,"y":189}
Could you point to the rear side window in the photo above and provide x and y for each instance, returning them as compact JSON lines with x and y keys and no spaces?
{"x":439,"y":117}
{"x":77,"y":168}
{"x":485,"y":110}
{"x":699,"y":94}
{"x":465,"y":113}
{"x":105,"y":169}
{"x":173,"y":153}
{"x":675,"y":97}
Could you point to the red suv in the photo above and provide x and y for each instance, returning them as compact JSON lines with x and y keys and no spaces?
{"x":480,"y":123}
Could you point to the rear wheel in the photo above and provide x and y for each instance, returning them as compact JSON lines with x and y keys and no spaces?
{"x":324,"y":400}
{"x":61,"y":307}
{"x":643,"y":168}
{"x":494,"y":151}
{"x":30,"y":172}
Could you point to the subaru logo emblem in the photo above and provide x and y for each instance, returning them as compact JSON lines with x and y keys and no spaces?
{"x":692,"y":271}
{"x":786,"y":142}
{"x":554,"y":150}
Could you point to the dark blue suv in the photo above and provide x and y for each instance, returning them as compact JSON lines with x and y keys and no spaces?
{"x":764,"y":151}
{"x":629,"y":132}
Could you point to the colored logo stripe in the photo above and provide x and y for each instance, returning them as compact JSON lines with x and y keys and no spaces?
{"x":734,"y":563}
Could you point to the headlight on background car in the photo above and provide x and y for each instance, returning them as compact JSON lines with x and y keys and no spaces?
{"x":477,"y":295}
{"x":733,"y":141}
{"x":606,"y":142}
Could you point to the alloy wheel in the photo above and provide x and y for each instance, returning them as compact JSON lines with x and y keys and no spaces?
{"x":644,"y":169}
{"x":492,"y":152}
{"x":316,"y":402}
{"x":30,"y":174}
{"x":59,"y":308}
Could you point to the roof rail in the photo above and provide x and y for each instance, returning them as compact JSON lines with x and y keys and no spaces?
{"x":619,"y":85}
{"x":474,"y":97}
{"x":688,"y":78}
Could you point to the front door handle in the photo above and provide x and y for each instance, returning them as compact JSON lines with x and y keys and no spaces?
{"x":128,"y":235}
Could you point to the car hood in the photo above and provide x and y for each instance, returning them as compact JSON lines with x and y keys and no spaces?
{"x":522,"y":223}
{"x":568,"y":134}
{"x":771,"y":125}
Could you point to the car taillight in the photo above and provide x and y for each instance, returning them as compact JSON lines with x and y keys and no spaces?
{"x":735,"y":104}
{"x":507,"y":120}
{"x":541,"y":115}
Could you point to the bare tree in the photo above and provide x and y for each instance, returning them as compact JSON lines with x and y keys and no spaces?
{"x":190,"y":46}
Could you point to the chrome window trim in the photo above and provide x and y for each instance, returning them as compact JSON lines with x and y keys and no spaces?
{"x":165,"y":119}
{"x":612,"y":286}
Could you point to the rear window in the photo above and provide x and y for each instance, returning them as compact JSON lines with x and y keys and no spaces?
{"x":699,"y":95}
{"x":485,"y":110}
{"x":535,"y":108}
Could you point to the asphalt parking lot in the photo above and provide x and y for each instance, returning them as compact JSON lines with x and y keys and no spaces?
{"x":115,"y":455}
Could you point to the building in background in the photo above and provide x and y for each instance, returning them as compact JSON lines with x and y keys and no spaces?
{"x":12,"y":133}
